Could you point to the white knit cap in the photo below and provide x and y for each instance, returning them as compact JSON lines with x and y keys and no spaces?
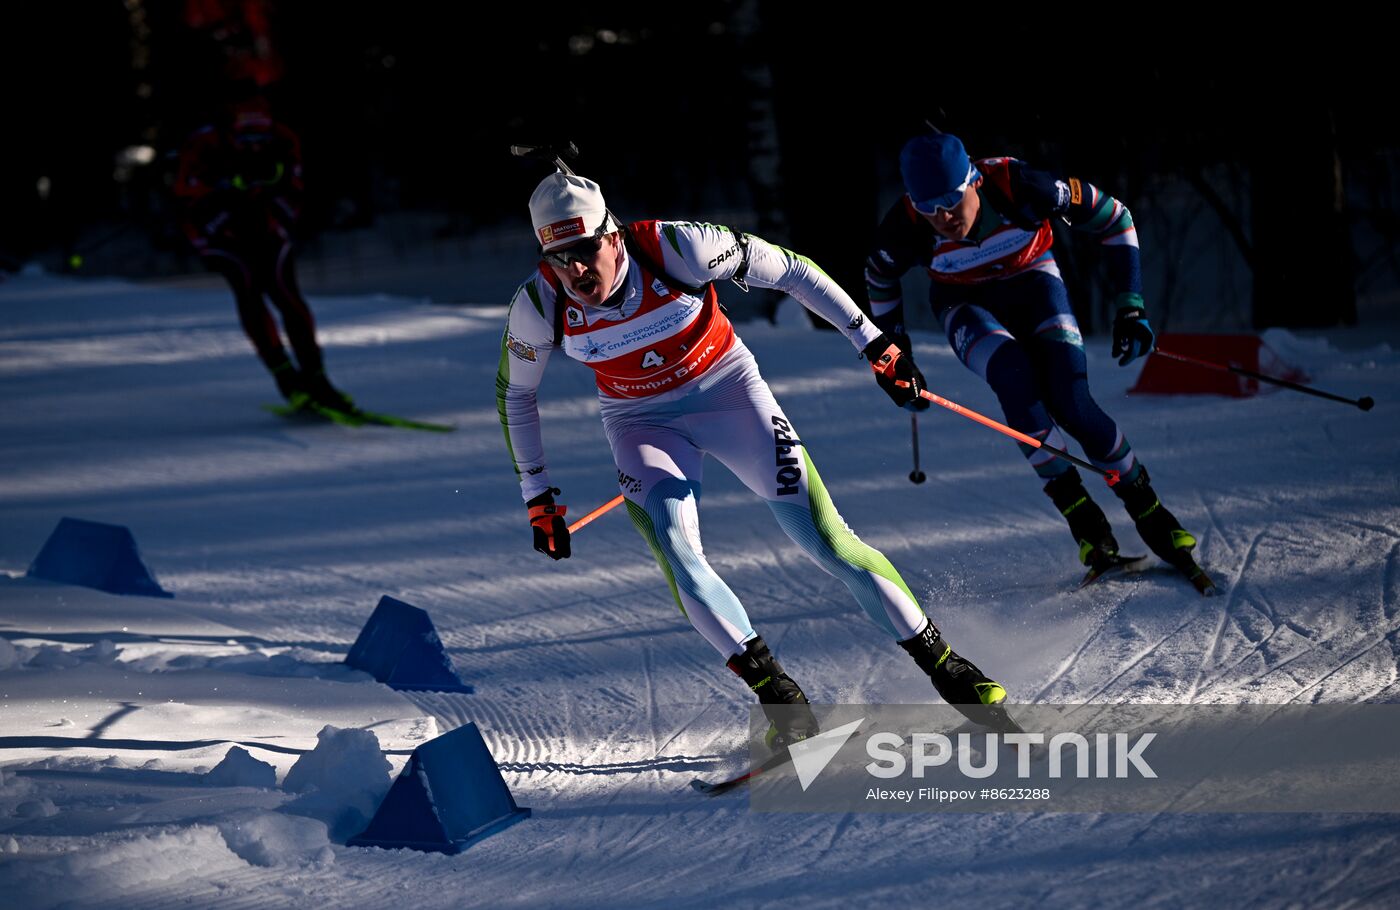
{"x":566,"y":208}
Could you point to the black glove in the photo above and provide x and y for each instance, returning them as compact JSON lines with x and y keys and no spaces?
{"x":896,"y":373}
{"x":551,"y":533}
{"x":1132,"y":333}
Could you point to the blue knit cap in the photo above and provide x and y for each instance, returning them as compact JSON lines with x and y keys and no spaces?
{"x":936,"y":171}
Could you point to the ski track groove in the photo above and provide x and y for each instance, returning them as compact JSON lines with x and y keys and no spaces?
{"x":653,"y":717}
{"x":1390,"y":582}
{"x":1352,"y":864}
{"x":1390,"y":636}
{"x":833,"y":839}
{"x":1311,"y":646}
{"x":513,"y":737}
{"x":1211,"y":656}
{"x":1258,"y":646}
{"x":1351,"y":522}
{"x":1141,"y":656}
{"x":1089,"y":639}
{"x":1219,"y":531}
{"x":234,"y":890}
{"x":448,"y":709}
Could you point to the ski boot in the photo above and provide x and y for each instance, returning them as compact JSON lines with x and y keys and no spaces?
{"x":959,"y":682}
{"x":1098,"y":549}
{"x":323,"y":394}
{"x":790,"y":718}
{"x":289,"y":381}
{"x":1160,"y":530}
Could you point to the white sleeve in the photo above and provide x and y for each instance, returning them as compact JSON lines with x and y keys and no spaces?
{"x":701,"y":253}
{"x":525,"y":349}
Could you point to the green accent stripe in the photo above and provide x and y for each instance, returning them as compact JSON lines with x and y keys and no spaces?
{"x":535,"y":298}
{"x":810,"y":264}
{"x":1156,"y":504}
{"x":1100,"y":221}
{"x":669,"y":232}
{"x":642,"y":521}
{"x":990,"y":693}
{"x":1129,"y":299}
{"x":842,"y":539}
{"x":502,"y":383}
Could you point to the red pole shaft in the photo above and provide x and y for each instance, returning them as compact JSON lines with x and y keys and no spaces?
{"x":1110,"y":476}
{"x":610,"y":504}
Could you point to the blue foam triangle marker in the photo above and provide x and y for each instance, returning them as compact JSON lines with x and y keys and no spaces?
{"x":95,"y":555}
{"x":449,"y":796}
{"x":400,"y":647}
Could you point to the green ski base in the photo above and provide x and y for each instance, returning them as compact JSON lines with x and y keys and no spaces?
{"x":356,"y":418}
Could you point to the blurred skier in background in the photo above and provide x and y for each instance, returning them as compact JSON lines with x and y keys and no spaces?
{"x":240,"y":182}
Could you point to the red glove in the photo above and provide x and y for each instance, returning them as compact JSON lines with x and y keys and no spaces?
{"x":547,"y":519}
{"x":896,"y":374}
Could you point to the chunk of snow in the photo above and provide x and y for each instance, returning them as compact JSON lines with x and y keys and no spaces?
{"x":240,"y":769}
{"x":342,"y":780}
{"x":274,"y":839}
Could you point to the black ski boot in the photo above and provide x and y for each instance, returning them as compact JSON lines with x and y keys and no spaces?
{"x":289,"y":382}
{"x":791,"y":722}
{"x":1160,"y":530}
{"x":1097,"y":547}
{"x":959,"y":681}
{"x":322,"y":393}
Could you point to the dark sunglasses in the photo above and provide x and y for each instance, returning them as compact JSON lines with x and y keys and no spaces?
{"x":582,"y":251}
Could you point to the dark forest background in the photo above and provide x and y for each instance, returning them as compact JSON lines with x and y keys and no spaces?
{"x":1281,"y":137}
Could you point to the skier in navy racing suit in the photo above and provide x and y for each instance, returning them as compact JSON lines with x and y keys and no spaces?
{"x":982,"y":230}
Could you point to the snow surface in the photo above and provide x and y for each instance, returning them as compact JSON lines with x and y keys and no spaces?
{"x":138,"y":404}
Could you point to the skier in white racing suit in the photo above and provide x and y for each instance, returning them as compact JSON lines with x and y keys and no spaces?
{"x":637,"y":305}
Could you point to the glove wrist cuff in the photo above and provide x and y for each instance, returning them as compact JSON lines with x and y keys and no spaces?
{"x":883,"y":354}
{"x":543,"y":498}
{"x":545,"y":511}
{"x":1129,"y":300}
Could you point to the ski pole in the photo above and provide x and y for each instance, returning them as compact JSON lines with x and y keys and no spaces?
{"x":1365,"y":402}
{"x":610,"y":504}
{"x":916,"y":475}
{"x":1109,"y":475}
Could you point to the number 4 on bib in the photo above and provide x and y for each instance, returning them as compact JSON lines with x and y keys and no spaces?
{"x":652,"y":359}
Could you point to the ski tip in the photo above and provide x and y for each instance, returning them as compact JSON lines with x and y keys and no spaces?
{"x":715,"y":789}
{"x":999,"y":721}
